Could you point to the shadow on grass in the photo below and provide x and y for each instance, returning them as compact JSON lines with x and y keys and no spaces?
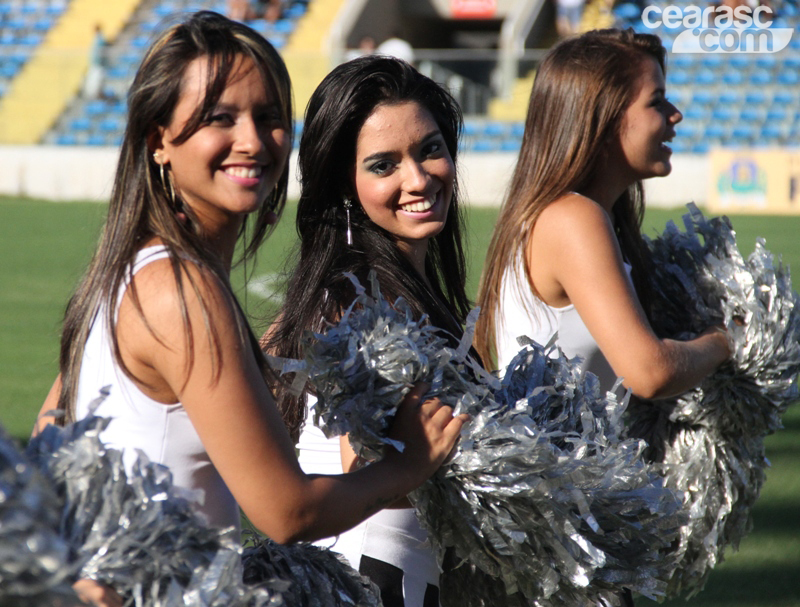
{"x":729,"y":587}
{"x":780,"y":518}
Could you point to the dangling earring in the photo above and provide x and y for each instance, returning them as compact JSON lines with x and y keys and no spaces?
{"x":171,"y":190}
{"x":347,"y":204}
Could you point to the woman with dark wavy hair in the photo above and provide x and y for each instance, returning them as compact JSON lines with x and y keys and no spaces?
{"x":155,"y":318}
{"x":379,"y":192}
{"x":567,"y":256}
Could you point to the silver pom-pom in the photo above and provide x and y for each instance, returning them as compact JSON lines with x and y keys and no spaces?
{"x":709,"y":441}
{"x":319,"y":577}
{"x":79,"y":514}
{"x":34,"y":561}
{"x":135,"y":532}
{"x":543,"y":499}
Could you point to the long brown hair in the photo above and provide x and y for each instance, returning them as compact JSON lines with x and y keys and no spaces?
{"x":578,"y":101}
{"x":142,"y":204}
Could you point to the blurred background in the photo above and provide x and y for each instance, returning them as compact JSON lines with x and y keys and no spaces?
{"x":65,"y":66}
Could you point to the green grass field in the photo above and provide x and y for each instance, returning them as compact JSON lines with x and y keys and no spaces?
{"x":45,"y":246}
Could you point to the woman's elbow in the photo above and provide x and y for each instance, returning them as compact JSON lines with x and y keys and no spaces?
{"x":286,"y":526}
{"x":651,"y":383}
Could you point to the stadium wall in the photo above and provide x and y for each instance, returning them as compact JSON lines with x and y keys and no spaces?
{"x":64,"y":173}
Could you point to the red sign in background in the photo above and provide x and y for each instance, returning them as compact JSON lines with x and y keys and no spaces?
{"x":473,"y":9}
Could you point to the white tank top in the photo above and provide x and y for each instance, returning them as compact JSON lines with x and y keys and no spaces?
{"x":522,"y":313}
{"x":138,"y":423}
{"x":393,"y":536}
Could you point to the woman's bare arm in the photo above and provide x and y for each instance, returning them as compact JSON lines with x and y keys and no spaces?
{"x":240,"y":426}
{"x":574,"y":258}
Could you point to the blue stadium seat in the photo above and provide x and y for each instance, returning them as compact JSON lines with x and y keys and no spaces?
{"x":627,"y":10}
{"x":685,"y":132}
{"x":777,"y":114}
{"x":518,"y":129}
{"x":755,"y":97}
{"x":704,"y":97}
{"x":95,"y":139}
{"x":751,"y":114}
{"x":109,"y":125}
{"x":701,"y":147}
{"x":772,"y":132}
{"x":744,"y":132}
{"x":470,"y":129}
{"x":788,"y":77}
{"x":740,"y":62}
{"x":766,"y":62}
{"x":733,"y":77}
{"x":80,"y":124}
{"x":509,"y":145}
{"x":723,"y":113}
{"x":731,"y":97}
{"x":712,"y":62}
{"x":705,"y":77}
{"x":695,"y":112}
{"x":679,"y":77}
{"x":485,"y":145}
{"x":784,"y":98}
{"x":95,"y":107}
{"x":66,"y":139}
{"x":760,"y":77}
{"x":283,"y":26}
{"x":714,"y":131}
{"x":295,"y":11}
{"x":683,"y":62}
{"x":679,"y":146}
{"x":495,"y":129}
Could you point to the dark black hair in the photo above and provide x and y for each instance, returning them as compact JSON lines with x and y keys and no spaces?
{"x":317,"y":289}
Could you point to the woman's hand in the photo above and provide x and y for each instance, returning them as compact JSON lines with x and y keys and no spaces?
{"x":96,"y":594}
{"x":428,"y":429}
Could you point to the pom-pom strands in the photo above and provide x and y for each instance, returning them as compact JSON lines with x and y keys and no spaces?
{"x":34,"y":560}
{"x":319,"y":578}
{"x":710,"y":440}
{"x":134,"y":531}
{"x":85,"y":517}
{"x":541,"y":497}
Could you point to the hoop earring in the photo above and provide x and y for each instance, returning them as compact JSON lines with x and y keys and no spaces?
{"x":171,"y":189}
{"x":347,"y":205}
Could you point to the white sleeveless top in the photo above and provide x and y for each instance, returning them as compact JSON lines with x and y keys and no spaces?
{"x":522,"y":313}
{"x":393,"y":536}
{"x":138,"y":423}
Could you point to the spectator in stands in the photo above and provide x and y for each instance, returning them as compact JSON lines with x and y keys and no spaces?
{"x":155,"y":317}
{"x":567,"y":257}
{"x":273,"y":10}
{"x":95,"y":75}
{"x":379,"y":193}
{"x":568,"y":17}
{"x":239,"y":10}
{"x":396,"y":47}
{"x":366,"y":46}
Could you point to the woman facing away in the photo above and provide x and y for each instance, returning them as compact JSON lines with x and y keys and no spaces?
{"x":567,"y":256}
{"x":379,"y":192}
{"x":206,"y":146}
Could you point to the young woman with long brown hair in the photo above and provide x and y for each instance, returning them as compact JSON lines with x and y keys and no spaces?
{"x":567,"y":256}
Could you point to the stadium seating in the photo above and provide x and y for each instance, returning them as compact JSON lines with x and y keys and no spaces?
{"x":102,"y":121}
{"x":727,"y":99}
{"x":752,"y":97}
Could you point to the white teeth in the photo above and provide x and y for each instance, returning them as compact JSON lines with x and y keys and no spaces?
{"x":246,"y":172}
{"x":418,"y":207}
